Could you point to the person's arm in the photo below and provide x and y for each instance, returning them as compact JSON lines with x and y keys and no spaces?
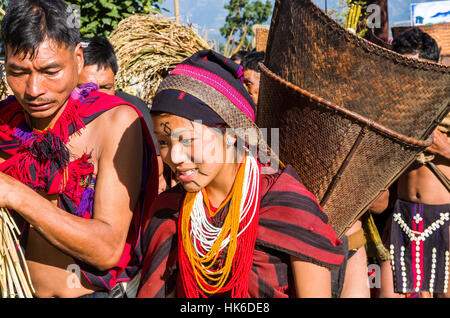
{"x":311,"y":280}
{"x":440,"y":145}
{"x":98,"y":241}
{"x":381,"y":203}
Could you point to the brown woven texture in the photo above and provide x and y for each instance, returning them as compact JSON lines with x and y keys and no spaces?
{"x":242,"y":126}
{"x":261,"y":36}
{"x":311,"y":50}
{"x":352,"y":115}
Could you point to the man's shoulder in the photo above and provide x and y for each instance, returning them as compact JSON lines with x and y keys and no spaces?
{"x":112,"y":109}
{"x":119,"y":116}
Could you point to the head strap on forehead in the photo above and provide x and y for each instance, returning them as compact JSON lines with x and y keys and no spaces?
{"x":209,"y":86}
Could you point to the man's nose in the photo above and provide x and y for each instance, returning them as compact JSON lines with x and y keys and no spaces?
{"x":34,"y":87}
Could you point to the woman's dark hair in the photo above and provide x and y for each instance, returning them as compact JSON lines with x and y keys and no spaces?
{"x":99,"y":51}
{"x":28,"y":23}
{"x":416,"y":41}
{"x":238,"y":55}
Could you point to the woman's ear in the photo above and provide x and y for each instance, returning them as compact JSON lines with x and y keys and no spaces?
{"x":230,"y":151}
{"x":230,"y":140}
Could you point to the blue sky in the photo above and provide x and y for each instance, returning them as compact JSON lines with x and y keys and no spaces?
{"x":210,"y":14}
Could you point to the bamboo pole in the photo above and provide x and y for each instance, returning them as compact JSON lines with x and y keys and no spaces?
{"x":177,"y":11}
{"x":241,"y":42}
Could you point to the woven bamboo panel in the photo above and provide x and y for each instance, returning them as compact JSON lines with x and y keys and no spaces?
{"x":352,"y":115}
{"x":261,"y":37}
{"x":311,"y":50}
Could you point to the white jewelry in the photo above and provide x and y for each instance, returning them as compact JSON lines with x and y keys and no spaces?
{"x":417,"y":238}
{"x":421,"y":236}
{"x":229,"y":141}
{"x":203,"y":233}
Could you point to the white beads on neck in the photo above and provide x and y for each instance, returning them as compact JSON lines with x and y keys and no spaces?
{"x":205,"y":234}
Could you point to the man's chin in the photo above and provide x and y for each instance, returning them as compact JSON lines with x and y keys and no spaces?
{"x":43,"y":116}
{"x":40,"y":114}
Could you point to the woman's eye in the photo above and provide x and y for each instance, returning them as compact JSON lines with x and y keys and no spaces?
{"x":162,"y":143}
{"x":187,"y":142}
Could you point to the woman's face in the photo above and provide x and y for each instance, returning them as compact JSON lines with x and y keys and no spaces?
{"x":196,"y":153}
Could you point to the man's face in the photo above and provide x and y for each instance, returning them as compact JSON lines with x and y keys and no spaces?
{"x":43,"y":85}
{"x":103,"y":77}
{"x":251,"y":83}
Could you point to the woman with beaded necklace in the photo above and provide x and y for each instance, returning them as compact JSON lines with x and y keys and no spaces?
{"x":232,"y":227}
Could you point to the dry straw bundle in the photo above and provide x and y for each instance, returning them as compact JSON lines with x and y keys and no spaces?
{"x":148,"y":47}
{"x":5,"y":91}
{"x":13,"y":281}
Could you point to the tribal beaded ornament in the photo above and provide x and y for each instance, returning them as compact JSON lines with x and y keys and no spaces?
{"x":201,"y":244}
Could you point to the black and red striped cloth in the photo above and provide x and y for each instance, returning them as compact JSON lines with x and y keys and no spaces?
{"x":291,"y":223}
{"x":41,"y":161}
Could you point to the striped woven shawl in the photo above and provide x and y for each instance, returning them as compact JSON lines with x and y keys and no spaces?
{"x":291,"y":223}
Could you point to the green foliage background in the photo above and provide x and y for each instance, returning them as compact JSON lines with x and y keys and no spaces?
{"x":101,"y":17}
{"x":244,"y":14}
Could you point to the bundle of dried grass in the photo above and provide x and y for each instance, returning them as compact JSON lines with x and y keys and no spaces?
{"x":5,"y":91}
{"x":148,"y":47}
{"x":13,"y":281}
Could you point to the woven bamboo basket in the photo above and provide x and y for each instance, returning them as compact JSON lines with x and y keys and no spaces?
{"x":352,"y":115}
{"x":311,"y":50}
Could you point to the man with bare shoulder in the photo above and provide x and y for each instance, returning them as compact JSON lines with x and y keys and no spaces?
{"x":75,"y":163}
{"x":419,"y":231}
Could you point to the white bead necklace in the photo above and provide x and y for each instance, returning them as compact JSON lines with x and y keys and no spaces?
{"x":203,"y":233}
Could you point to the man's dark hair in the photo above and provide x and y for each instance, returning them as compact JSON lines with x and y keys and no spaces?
{"x":99,"y":51}
{"x":251,"y":60}
{"x":238,"y":55}
{"x":416,"y":41}
{"x":28,"y":23}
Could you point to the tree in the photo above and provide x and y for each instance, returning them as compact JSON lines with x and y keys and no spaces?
{"x":101,"y":17}
{"x":243,"y":14}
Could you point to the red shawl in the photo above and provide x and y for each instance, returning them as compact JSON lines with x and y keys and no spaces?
{"x":291,"y":223}
{"x":41,"y":161}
